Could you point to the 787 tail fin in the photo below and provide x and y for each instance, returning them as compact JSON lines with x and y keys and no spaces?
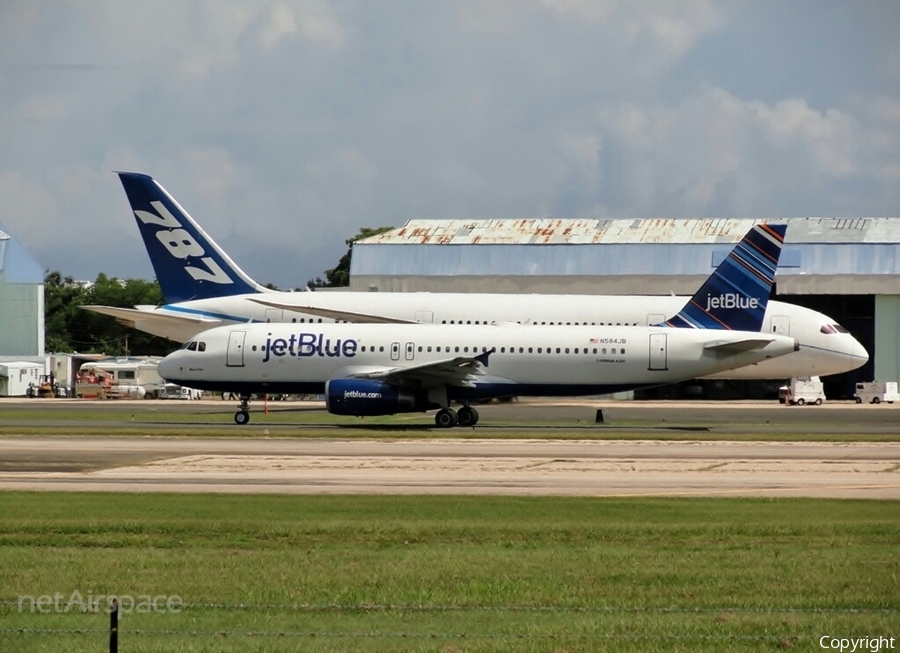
{"x":736,"y":294}
{"x":187,"y":262}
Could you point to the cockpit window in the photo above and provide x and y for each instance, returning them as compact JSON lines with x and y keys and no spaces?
{"x":833,"y":328}
{"x":839,"y":328}
{"x":201,"y":346}
{"x":187,"y":345}
{"x":192,"y":346}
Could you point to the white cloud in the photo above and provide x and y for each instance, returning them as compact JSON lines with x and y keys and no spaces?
{"x":282,"y":23}
{"x":212,"y":174}
{"x":590,"y":11}
{"x":674,"y":158}
{"x":319,"y":23}
{"x":197,"y":39}
{"x":28,"y":208}
{"x":48,"y":108}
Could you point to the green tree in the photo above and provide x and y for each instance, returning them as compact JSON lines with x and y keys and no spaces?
{"x":339,"y":275}
{"x":62,"y":297}
{"x":69,"y":328}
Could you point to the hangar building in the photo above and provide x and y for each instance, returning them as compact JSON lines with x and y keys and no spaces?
{"x":847,"y":268}
{"x":21,"y":300}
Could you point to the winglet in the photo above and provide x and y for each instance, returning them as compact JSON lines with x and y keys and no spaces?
{"x":736,"y":295}
{"x":483,"y":356}
{"x":187,"y":262}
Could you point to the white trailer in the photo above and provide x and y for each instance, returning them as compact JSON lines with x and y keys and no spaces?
{"x":16,"y":377}
{"x":874,"y":392}
{"x":802,"y":390}
{"x":128,"y":375}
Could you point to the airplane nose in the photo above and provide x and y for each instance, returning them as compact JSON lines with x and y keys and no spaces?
{"x":167,"y":366}
{"x":859,"y":353}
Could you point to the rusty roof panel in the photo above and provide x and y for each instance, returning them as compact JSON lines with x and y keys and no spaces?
{"x":579,"y":231}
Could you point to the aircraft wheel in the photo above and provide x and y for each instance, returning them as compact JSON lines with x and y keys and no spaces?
{"x":446,"y":418}
{"x":819,"y":401}
{"x":801,"y":402}
{"x":859,"y":400}
{"x":241,"y":417}
{"x":876,"y":400}
{"x":467,"y":416}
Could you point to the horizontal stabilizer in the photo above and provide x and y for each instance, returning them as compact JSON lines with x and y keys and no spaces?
{"x":738,"y":346}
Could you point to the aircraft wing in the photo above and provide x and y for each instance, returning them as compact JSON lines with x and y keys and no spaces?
{"x":738,"y":346}
{"x":179,"y":328}
{"x":333,"y":314}
{"x":129,"y":316}
{"x":460,"y":371}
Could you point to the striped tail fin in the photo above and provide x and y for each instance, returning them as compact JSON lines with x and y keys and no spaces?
{"x":187,"y":262}
{"x":736,"y":294}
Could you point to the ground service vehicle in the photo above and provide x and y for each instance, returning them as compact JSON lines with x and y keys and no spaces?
{"x":874,"y":392}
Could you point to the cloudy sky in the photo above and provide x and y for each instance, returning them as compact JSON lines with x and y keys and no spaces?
{"x":284,"y":126}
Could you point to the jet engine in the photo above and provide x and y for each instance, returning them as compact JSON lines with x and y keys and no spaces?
{"x":364,"y":397}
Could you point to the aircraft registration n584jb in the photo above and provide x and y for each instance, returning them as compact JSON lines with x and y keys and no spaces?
{"x":380,"y":369}
{"x":204,"y":288}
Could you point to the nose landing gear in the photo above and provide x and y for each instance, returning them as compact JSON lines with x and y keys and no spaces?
{"x":243,"y":415}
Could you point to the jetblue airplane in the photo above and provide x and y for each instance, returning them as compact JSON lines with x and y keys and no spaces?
{"x":204,"y":288}
{"x":383,"y":369}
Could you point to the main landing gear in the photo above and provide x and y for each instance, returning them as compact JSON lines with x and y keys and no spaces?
{"x":243,"y":415}
{"x":447,"y":417}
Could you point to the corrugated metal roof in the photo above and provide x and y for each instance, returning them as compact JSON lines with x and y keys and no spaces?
{"x":656,"y":259}
{"x":571,"y":231}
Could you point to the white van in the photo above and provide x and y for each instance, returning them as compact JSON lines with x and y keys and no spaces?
{"x":874,"y":392}
{"x":175,"y":391}
{"x":802,"y":390}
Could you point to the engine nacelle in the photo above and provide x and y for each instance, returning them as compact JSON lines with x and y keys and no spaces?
{"x":363,"y":397}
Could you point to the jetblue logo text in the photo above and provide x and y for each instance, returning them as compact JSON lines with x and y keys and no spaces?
{"x":731,"y":300}
{"x":309,"y":344}
{"x":356,"y":394}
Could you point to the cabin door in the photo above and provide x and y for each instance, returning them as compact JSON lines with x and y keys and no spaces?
{"x":410,"y":351}
{"x":658,"y":352}
{"x":426,"y":317}
{"x":234,"y":356}
{"x":395,"y":351}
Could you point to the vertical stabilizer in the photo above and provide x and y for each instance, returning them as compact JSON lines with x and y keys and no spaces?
{"x":736,"y":294}
{"x":187,"y":262}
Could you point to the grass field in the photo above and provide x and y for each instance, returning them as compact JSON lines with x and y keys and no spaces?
{"x":162,"y":418}
{"x":448,"y":574}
